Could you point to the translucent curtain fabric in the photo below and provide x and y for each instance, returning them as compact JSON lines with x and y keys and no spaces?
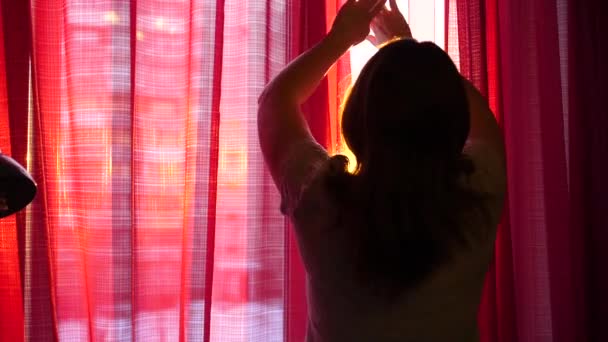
{"x":539,"y":64}
{"x":14,"y":104}
{"x":11,"y":311}
{"x":546,"y":255}
{"x":155,"y":219}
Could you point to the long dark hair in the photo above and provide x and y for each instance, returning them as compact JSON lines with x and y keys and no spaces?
{"x":406,"y":120}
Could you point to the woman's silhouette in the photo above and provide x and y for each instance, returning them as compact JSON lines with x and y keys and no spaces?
{"x":398,"y":249}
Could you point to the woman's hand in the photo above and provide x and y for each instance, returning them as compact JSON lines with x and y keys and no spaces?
{"x":352,"y":23}
{"x":388,"y":25}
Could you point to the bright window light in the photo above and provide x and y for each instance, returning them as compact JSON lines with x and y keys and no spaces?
{"x":426,"y":19}
{"x":427,"y":22}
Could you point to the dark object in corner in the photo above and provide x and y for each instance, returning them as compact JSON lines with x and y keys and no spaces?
{"x":17,"y":188}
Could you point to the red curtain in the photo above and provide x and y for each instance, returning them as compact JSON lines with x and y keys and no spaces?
{"x":539,"y":64}
{"x":155,"y":219}
{"x":11,"y":311}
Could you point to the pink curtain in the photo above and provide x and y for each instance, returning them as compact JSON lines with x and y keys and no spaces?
{"x":155,"y":219}
{"x":539,"y":64}
{"x":14,"y":50}
{"x":11,"y":310}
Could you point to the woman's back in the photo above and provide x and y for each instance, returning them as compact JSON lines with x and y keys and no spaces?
{"x":442,"y":306}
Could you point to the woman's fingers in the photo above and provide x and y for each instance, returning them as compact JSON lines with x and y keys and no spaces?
{"x":371,"y":5}
{"x":376,"y":8}
{"x":376,"y":24}
{"x":393,"y":4}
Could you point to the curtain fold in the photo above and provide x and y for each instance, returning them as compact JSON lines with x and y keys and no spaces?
{"x":535,"y":60}
{"x":11,"y":312}
{"x":587,"y":123}
{"x":537,"y":170}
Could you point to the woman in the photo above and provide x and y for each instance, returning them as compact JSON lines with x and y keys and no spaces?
{"x":397,"y":250}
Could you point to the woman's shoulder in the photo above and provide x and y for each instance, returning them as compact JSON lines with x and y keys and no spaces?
{"x":490,"y":168}
{"x":298,"y":172}
{"x":315,"y":206}
{"x":488,"y":177}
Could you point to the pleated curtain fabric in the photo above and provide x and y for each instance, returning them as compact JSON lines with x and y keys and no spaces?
{"x":539,"y":64}
{"x":155,"y":218}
